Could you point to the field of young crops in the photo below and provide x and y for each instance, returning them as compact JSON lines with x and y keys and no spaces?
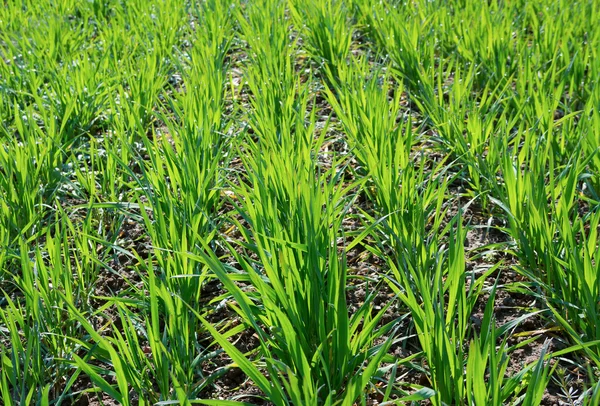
{"x":300,"y":202}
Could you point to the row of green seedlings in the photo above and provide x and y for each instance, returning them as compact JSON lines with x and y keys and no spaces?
{"x":295,"y":263}
{"x":526,"y":137}
{"x":289,"y":212}
{"x":469,"y":140}
{"x":53,"y":330}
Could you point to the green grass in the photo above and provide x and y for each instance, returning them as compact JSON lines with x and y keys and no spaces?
{"x":299,"y":202}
